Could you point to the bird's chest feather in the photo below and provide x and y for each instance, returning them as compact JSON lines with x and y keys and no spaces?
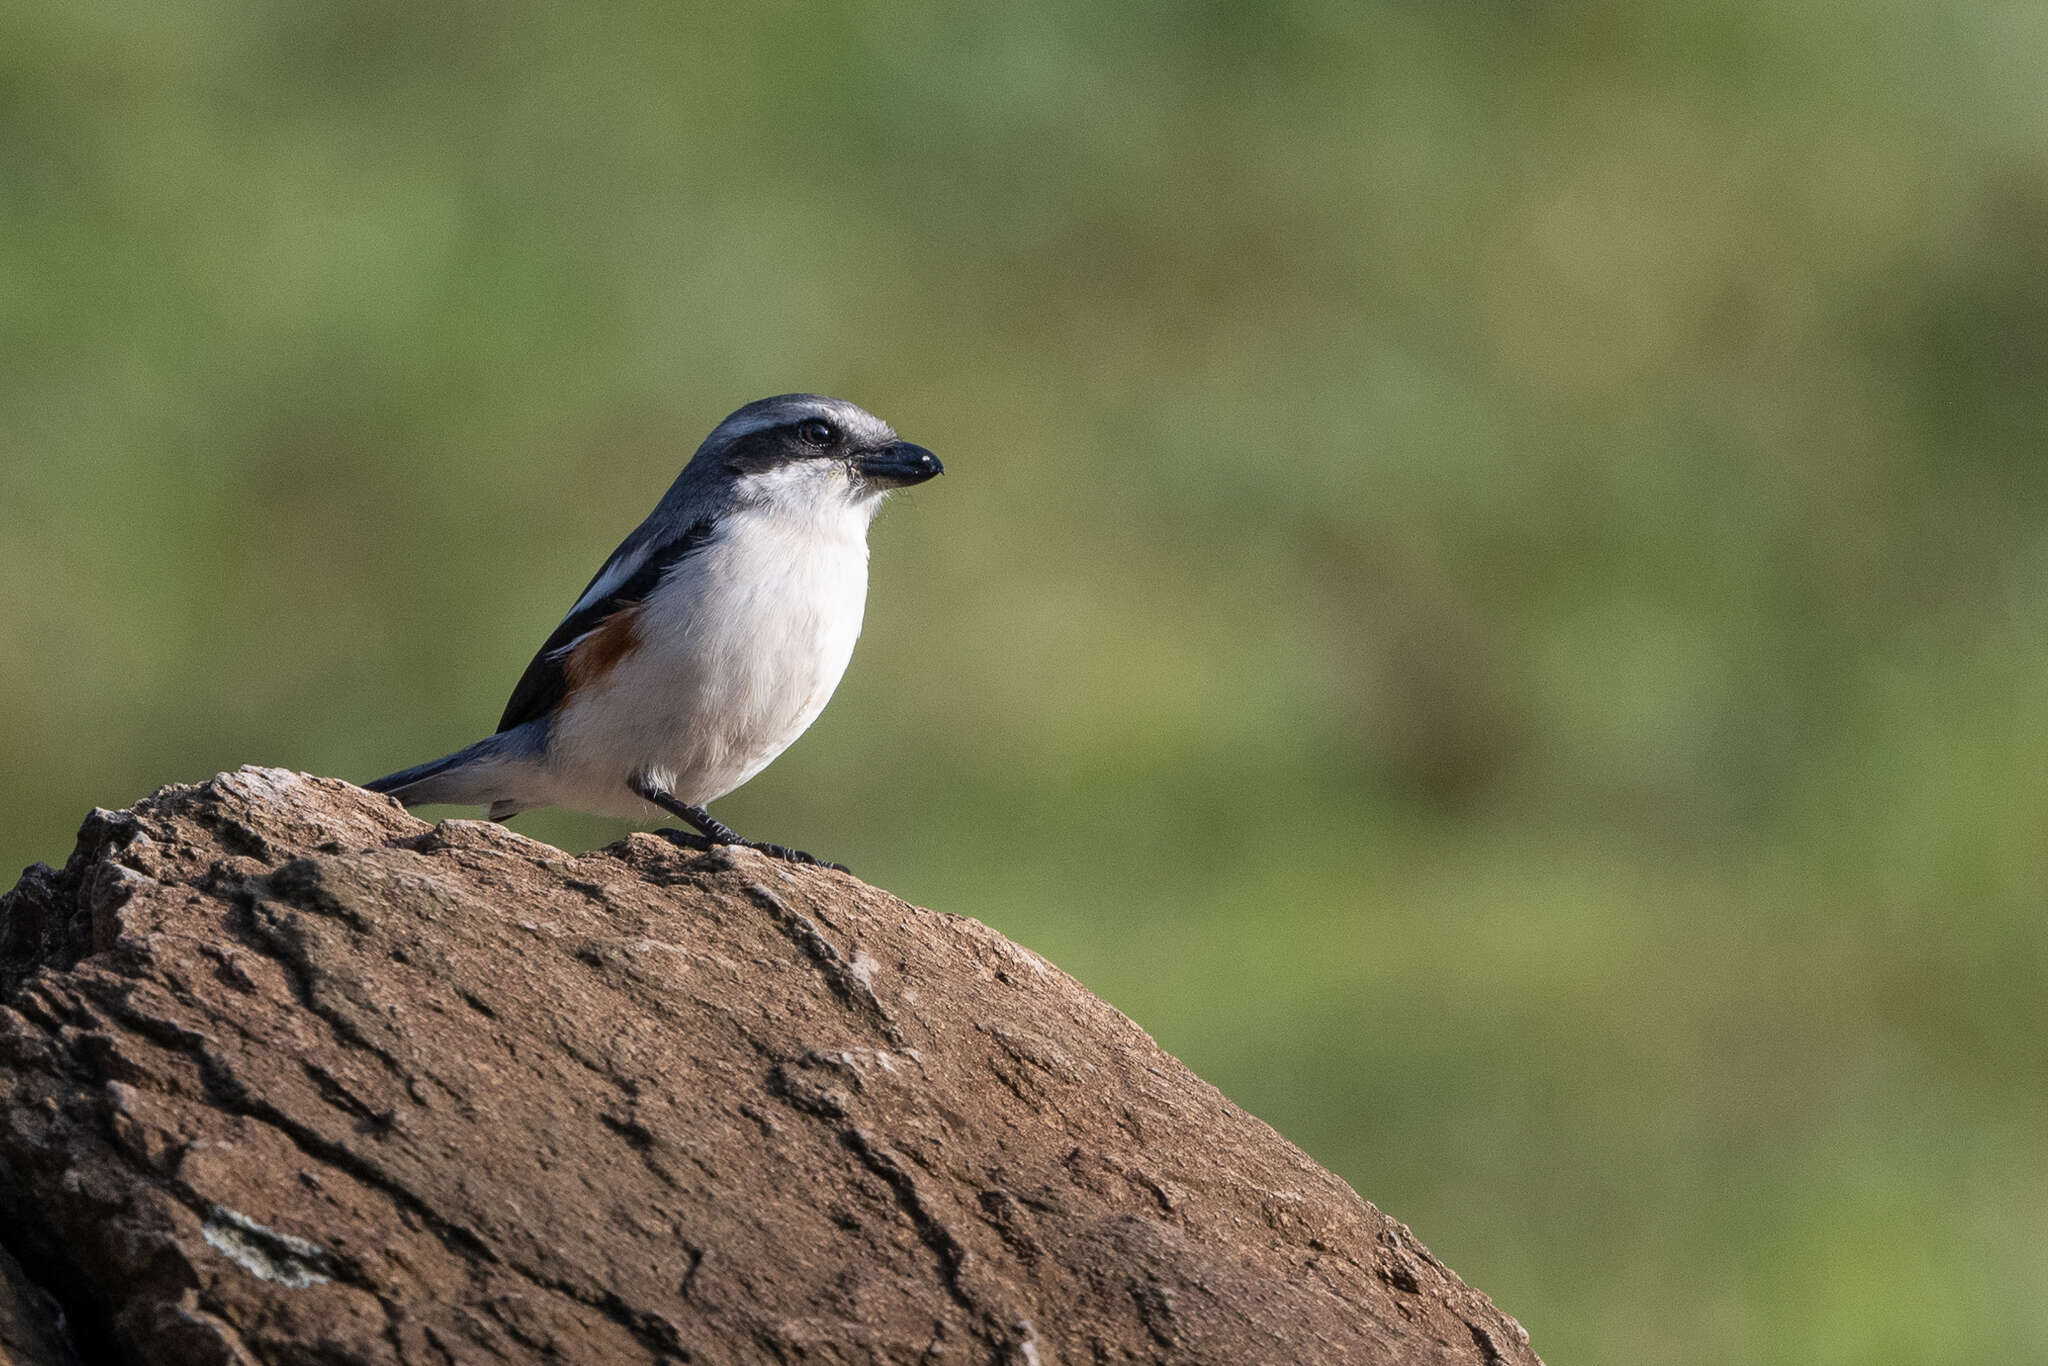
{"x":764,"y":624}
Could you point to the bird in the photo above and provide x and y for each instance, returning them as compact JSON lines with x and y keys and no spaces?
{"x":708,"y":642}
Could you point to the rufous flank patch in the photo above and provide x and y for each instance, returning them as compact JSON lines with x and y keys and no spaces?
{"x":598,"y":653}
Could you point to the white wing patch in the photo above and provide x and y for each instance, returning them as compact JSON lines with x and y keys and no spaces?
{"x":609,"y":578}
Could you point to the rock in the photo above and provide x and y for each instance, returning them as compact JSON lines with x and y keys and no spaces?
{"x":289,"y":1076}
{"x":31,"y":1326}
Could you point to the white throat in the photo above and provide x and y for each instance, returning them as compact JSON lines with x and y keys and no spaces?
{"x":821,"y":494}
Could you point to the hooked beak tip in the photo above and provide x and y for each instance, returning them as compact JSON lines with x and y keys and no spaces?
{"x":900,"y":465}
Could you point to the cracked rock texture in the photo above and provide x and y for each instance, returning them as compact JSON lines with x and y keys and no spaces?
{"x":289,"y":1076}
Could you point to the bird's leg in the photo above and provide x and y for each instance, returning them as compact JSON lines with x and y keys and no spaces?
{"x":717,"y":831}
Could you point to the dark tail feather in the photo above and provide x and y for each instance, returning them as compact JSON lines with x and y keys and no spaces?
{"x":396,"y":783}
{"x":472,"y":776}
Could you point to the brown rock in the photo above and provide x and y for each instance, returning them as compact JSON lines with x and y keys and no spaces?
{"x":31,"y":1331}
{"x":289,"y":1076}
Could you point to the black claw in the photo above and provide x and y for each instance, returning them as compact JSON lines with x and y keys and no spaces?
{"x":789,"y":855}
{"x":713,"y":832}
{"x":703,"y":844}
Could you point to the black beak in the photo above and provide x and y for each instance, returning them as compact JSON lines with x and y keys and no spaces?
{"x":899,"y":466}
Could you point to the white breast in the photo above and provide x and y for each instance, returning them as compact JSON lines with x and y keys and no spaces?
{"x":739,"y":651}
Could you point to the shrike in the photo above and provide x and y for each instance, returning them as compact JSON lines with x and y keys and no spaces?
{"x":709,"y":641}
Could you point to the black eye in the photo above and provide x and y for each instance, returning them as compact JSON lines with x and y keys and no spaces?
{"x":815,"y":431}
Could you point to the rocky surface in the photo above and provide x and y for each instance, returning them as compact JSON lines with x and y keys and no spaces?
{"x":289,"y":1076}
{"x":32,"y":1328}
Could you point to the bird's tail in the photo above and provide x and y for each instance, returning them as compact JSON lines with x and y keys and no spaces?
{"x":477,"y":775}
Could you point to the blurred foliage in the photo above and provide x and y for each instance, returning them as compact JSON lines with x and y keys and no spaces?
{"x":1492,"y":588}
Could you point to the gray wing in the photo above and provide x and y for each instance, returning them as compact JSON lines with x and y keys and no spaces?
{"x":626,"y":580}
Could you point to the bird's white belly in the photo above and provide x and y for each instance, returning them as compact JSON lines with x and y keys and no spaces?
{"x":736,"y":655}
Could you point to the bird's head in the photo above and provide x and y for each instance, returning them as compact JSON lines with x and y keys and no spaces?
{"x":806,"y":453}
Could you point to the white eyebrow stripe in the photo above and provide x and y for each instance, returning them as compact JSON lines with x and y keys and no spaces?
{"x":860,"y":422}
{"x":733,"y":428}
{"x":871,"y":429}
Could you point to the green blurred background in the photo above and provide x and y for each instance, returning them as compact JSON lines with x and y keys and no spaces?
{"x":1492,"y":589}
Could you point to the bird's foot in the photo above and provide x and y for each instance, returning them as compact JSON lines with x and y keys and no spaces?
{"x":789,"y":855}
{"x":704,"y":844}
{"x":718,"y":832}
